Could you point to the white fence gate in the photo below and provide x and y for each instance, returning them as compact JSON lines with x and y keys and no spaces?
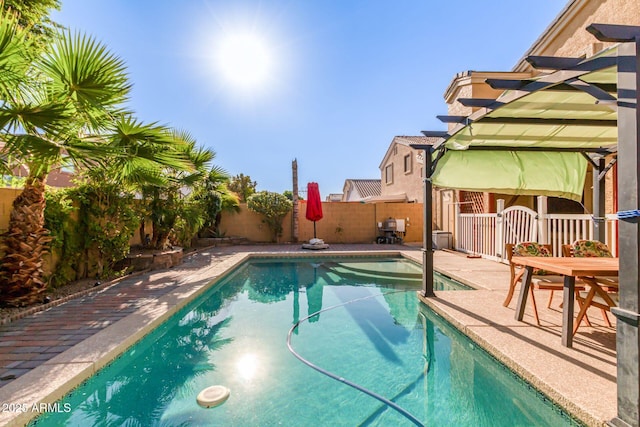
{"x":487,"y":234}
{"x":515,"y":224}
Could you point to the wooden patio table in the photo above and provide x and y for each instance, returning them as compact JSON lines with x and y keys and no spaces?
{"x":570,"y":268}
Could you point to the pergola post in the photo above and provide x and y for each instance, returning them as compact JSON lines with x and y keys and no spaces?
{"x":627,"y":338}
{"x":427,"y":249}
{"x":599,"y":223}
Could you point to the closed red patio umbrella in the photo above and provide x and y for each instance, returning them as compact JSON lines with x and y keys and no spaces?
{"x":314,"y":205}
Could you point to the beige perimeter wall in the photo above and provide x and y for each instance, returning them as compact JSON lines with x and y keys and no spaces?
{"x":7,"y":195}
{"x":342,"y":222}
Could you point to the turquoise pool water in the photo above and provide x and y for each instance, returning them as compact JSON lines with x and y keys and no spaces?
{"x":235,"y":335}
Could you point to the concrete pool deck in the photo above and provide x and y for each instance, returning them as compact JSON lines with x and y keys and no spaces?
{"x":44,"y":355}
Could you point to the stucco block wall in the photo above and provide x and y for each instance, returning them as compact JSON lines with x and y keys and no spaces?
{"x":348,"y":222}
{"x":412,"y":213}
{"x":249,"y":224}
{"x":342,"y":222}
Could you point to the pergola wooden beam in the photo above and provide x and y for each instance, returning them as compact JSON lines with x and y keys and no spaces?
{"x":550,"y":122}
{"x":479,"y":102}
{"x":453,"y":119}
{"x":573,"y":64}
{"x":603,"y":151}
{"x":435,"y":134}
{"x":533,"y":86}
{"x":552,"y":62}
{"x":593,"y":90}
{"x":615,"y":33}
{"x":507,"y":84}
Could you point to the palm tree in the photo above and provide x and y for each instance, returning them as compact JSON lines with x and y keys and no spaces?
{"x":164,"y":200}
{"x":214,"y":195}
{"x":62,"y":107}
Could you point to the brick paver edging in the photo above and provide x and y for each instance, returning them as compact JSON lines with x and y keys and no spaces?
{"x":42,"y":307}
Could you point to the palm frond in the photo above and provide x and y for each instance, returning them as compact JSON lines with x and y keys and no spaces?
{"x":83,"y":72}
{"x":45,"y":117}
{"x":33,"y":148}
{"x":15,"y":56}
{"x":153,"y":142}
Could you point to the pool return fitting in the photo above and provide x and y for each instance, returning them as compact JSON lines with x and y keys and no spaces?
{"x":343,"y":380}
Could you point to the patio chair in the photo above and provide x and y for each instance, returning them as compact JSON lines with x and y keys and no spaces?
{"x":603,"y":292}
{"x":593,"y":248}
{"x":540,"y":280}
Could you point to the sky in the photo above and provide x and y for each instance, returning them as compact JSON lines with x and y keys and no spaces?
{"x":326,"y":82}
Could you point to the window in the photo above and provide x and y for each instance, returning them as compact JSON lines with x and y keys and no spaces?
{"x":388,"y":174}
{"x":407,"y":163}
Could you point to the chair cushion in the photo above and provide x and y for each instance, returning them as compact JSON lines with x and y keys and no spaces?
{"x":532,"y":249}
{"x":591,"y":248}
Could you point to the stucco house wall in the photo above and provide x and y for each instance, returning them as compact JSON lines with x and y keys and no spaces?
{"x":566,"y":35}
{"x":401,"y":170}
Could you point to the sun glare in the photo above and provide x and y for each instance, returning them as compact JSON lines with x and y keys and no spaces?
{"x":247,"y":366}
{"x":244,"y":60}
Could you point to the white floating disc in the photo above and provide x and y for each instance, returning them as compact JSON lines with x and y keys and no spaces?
{"x":213,"y":396}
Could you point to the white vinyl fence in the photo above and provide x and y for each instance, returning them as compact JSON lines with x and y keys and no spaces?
{"x":487,"y":234}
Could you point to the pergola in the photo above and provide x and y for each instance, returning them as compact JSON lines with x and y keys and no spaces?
{"x":538,"y":138}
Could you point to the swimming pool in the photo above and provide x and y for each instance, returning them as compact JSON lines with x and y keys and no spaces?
{"x":378,"y":336}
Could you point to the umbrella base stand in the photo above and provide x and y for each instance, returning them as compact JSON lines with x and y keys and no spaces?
{"x":314,"y":247}
{"x":315,"y":244}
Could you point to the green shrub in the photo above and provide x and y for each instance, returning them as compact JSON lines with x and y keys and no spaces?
{"x":91,"y":226}
{"x":274,"y":207}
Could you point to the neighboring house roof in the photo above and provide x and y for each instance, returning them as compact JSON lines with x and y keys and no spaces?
{"x":56,"y":178}
{"x":391,"y":198}
{"x":358,"y":189}
{"x":334,"y":197}
{"x":60,"y":178}
{"x":406,"y":141}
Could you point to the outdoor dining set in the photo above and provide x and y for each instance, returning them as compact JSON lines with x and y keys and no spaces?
{"x":587,"y":273}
